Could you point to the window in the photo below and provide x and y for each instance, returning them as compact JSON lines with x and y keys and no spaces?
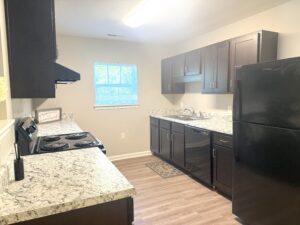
{"x":115,"y":84}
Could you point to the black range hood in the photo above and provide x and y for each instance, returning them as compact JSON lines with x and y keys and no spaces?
{"x":65,"y":75}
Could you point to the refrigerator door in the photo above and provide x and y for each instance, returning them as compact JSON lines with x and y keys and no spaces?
{"x":268,"y":94}
{"x":266,"y":174}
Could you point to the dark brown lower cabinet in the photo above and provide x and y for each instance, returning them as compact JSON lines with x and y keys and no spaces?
{"x":171,"y":139}
{"x":223,"y":161}
{"x":178,"y":156}
{"x":119,"y":212}
{"x":206,"y":155}
{"x":165,"y":143}
{"x":154,"y":135}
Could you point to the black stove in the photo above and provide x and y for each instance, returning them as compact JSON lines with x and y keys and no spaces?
{"x":29,"y":143}
{"x":66,"y":142}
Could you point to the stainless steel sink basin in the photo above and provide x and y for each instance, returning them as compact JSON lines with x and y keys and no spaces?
{"x":185,"y":117}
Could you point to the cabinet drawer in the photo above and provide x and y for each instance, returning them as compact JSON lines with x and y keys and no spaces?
{"x":165,"y":124}
{"x":177,"y":127}
{"x":154,"y":121}
{"x":223,"y":140}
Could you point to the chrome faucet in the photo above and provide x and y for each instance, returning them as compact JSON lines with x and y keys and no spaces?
{"x":190,"y":110}
{"x":201,"y":114}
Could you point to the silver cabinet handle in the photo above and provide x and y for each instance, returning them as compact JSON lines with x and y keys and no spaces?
{"x":204,"y":133}
{"x":200,"y":132}
{"x":223,"y":141}
{"x":214,"y":153}
{"x":172,"y":149}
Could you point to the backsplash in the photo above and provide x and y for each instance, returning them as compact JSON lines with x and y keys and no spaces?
{"x":22,"y":107}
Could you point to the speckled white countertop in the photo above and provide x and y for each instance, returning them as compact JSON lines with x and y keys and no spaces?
{"x":62,"y":181}
{"x":217,"y":123}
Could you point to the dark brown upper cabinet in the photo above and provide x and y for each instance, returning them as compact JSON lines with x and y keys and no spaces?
{"x":169,"y":73}
{"x":193,"y":63}
{"x":32,"y":49}
{"x":166,"y":76}
{"x":215,"y":64}
{"x":31,"y":63}
{"x":178,"y":68}
{"x":250,"y":49}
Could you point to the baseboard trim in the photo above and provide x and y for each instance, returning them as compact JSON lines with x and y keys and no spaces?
{"x":129,"y":156}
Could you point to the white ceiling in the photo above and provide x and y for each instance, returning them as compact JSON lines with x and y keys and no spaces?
{"x":98,"y":18}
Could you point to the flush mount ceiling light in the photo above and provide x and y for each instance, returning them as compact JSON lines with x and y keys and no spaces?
{"x":146,"y":11}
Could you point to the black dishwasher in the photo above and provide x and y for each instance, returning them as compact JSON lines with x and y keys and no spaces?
{"x":198,"y":154}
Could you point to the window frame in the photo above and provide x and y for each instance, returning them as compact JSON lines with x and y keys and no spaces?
{"x":118,"y":106}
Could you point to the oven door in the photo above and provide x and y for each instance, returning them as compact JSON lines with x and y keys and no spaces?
{"x":198,"y":154}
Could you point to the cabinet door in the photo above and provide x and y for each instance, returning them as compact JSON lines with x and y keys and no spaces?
{"x":166,"y":76}
{"x":178,"y":67}
{"x":193,"y":64}
{"x":222,"y":68}
{"x":31,"y":48}
{"x":178,"y":156}
{"x":243,"y":50}
{"x":209,"y":65}
{"x":223,"y":159}
{"x":165,"y":143}
{"x":154,"y":138}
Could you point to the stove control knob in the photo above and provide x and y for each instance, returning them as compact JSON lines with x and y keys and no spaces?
{"x":30,"y":129}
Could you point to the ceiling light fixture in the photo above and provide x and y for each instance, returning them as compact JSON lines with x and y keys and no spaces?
{"x":145,"y":11}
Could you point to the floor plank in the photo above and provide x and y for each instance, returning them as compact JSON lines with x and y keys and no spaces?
{"x":173,"y":201}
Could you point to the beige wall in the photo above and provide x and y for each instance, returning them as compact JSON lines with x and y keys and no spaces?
{"x":284,"y":19}
{"x":80,"y":54}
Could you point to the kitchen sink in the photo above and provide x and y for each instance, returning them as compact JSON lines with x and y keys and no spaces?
{"x":185,"y":117}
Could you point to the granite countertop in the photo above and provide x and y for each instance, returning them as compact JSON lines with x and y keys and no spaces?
{"x":218,"y":123}
{"x":62,"y":181}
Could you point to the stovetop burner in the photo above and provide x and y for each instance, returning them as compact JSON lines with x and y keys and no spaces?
{"x":65,"y":142}
{"x":55,"y":146}
{"x":76,"y":136}
{"x":51,"y":138}
{"x":84,"y":143}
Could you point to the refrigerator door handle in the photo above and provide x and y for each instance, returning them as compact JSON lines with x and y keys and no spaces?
{"x":236,"y":140}
{"x":236,"y":101}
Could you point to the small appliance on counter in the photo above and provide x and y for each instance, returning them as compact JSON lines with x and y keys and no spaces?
{"x":28,"y":142}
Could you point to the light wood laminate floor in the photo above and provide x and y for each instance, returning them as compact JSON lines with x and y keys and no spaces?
{"x":173,"y":201}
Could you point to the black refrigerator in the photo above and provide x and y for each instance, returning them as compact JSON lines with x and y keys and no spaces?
{"x":266,"y":131}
